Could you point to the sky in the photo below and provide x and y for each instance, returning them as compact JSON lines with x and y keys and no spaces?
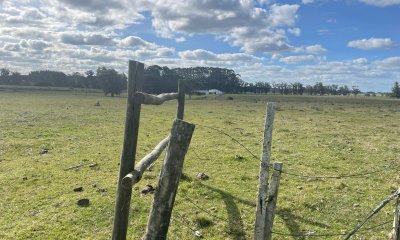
{"x":344,"y":42}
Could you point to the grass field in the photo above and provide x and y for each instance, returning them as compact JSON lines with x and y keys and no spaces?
{"x":312,"y":136}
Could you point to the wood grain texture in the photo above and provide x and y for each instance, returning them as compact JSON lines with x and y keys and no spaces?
{"x":127,"y":163}
{"x":145,"y":98}
{"x":164,"y":197}
{"x":272,"y":200}
{"x":260,"y":224}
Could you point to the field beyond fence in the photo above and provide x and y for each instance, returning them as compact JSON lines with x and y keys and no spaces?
{"x":52,"y":143}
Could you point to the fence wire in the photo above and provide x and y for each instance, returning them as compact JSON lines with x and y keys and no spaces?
{"x":305,"y":234}
{"x":355,"y":175}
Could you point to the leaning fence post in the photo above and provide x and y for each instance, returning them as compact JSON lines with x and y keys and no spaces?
{"x":259,"y":232}
{"x":135,"y":82}
{"x":164,"y":197}
{"x":181,"y":101}
{"x":396,"y":222}
{"x":272,"y":199}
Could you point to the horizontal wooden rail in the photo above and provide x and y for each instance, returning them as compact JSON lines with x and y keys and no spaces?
{"x":145,"y":98}
{"x":135,"y":176}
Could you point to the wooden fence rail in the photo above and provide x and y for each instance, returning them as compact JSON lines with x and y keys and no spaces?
{"x":133,"y":177}
{"x":145,"y":98}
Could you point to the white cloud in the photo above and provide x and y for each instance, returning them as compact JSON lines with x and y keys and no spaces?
{"x":381,"y":3}
{"x":360,"y":61}
{"x":180,"y":39}
{"x":297,"y":59}
{"x":201,"y":54}
{"x":241,"y":23}
{"x":134,"y":41}
{"x":276,"y":56}
{"x":372,"y":43}
{"x":86,"y":39}
{"x":315,"y":49}
{"x":307,"y":1}
{"x":389,"y":63}
{"x":295,"y":31}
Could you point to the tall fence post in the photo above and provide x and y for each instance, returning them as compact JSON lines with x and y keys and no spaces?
{"x":181,"y":101}
{"x":260,"y":224}
{"x":164,"y":197}
{"x":396,"y":222}
{"x":121,"y":215}
{"x":272,"y":199}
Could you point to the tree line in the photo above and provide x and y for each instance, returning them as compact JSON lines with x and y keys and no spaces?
{"x":163,"y":79}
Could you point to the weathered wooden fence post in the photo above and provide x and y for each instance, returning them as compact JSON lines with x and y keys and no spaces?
{"x":121,"y":215}
{"x":272,"y":199}
{"x":181,"y":100}
{"x":164,"y":197}
{"x":396,"y":222}
{"x":259,"y":232}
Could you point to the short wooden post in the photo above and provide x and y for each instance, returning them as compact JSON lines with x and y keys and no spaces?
{"x":181,"y":101}
{"x":164,"y":197}
{"x":135,"y":82}
{"x":259,"y":232}
{"x":396,"y":222}
{"x":272,"y":199}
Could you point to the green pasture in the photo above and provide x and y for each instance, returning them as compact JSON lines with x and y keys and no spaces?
{"x":313,"y":136}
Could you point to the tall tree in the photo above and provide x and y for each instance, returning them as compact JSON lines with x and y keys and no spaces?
{"x":90,"y":81}
{"x":355,"y":90}
{"x":111,"y":81}
{"x":396,"y":90}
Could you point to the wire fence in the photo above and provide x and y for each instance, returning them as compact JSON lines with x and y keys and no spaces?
{"x":303,"y":234}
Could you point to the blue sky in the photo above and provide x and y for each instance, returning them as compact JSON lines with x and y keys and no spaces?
{"x":352,"y":42}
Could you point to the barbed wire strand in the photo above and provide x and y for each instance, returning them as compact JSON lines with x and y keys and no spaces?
{"x":202,"y":209}
{"x":186,"y":223}
{"x":303,"y":176}
{"x":226,"y":134}
{"x":329,"y":234}
{"x":291,"y":234}
{"x":387,"y":168}
{"x":373,"y":212}
{"x":197,"y":155}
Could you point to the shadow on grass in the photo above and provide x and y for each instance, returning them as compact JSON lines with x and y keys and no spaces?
{"x":291,"y":221}
{"x":236,"y":228}
{"x":234,"y":221}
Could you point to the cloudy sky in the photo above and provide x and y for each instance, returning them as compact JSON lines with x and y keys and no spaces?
{"x":352,"y":42}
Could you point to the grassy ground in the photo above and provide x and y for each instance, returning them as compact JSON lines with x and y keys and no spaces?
{"x":312,"y":136}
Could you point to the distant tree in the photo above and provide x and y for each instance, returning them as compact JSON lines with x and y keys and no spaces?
{"x":297,"y":88}
{"x":49,"y":78}
{"x":262,"y":87}
{"x":309,"y":90}
{"x":396,"y":90}
{"x":111,"y":81}
{"x":77,"y":80}
{"x":344,"y":90}
{"x":355,"y":90}
{"x":4,"y":72}
{"x":4,"y":76}
{"x":16,"y":78}
{"x":274,"y":87}
{"x":90,"y":81}
{"x":319,"y":88}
